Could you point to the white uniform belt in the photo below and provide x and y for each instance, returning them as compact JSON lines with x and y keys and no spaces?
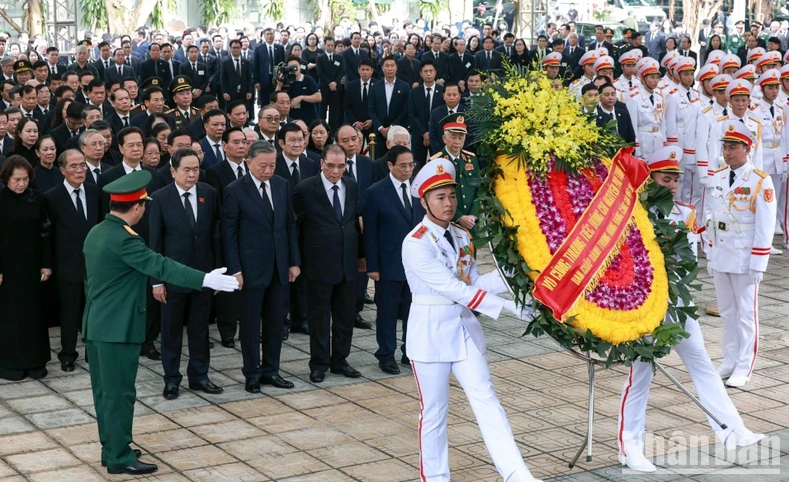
{"x":649,"y":129}
{"x":772,"y":145}
{"x":680,"y":125}
{"x":431,"y":300}
{"x":737,"y":227}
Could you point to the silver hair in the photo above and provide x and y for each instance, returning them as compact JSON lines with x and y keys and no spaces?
{"x":81,"y":48}
{"x":260,"y":147}
{"x":396,"y":131}
{"x":83,"y":138}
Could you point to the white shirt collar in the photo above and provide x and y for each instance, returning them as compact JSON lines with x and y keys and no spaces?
{"x":192,"y":190}
{"x":606,"y":111}
{"x":327,"y":185}
{"x":129,"y":169}
{"x":289,"y":161}
{"x":398,"y":183}
{"x":71,"y":188}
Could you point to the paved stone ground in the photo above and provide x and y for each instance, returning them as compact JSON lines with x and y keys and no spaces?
{"x":365,"y":429}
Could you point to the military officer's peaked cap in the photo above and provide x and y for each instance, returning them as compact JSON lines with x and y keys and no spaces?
{"x":454,"y":123}
{"x":665,"y":160}
{"x":736,"y":131}
{"x":22,"y":65}
{"x":179,"y":83}
{"x":152,"y":82}
{"x":129,"y":188}
{"x":436,"y":173}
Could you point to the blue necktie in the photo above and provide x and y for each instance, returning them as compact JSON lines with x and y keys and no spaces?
{"x":336,"y":201}
{"x":350,"y":169}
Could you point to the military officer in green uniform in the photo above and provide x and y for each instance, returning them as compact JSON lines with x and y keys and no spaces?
{"x":466,"y":166}
{"x":718,"y":29}
{"x":151,"y":82}
{"x":735,"y":40}
{"x":181,"y":93}
{"x":118,"y":264}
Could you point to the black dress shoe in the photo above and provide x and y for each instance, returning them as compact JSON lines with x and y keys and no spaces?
{"x":317,"y":376}
{"x":137,"y":452}
{"x":358,"y":322}
{"x":170,"y":391}
{"x":368,"y":300}
{"x":285,"y":335}
{"x":276,"y":381}
{"x":206,"y":386}
{"x":67,"y":366}
{"x":210,"y":345}
{"x":152,"y":354}
{"x":303,"y":328}
{"x":405,"y":360}
{"x":348,"y":372}
{"x":389,"y":366}
{"x":252,"y":386}
{"x":228,"y":343}
{"x":37,"y":373}
{"x":137,"y":468}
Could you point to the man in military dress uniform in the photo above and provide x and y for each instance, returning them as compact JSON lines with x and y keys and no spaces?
{"x":181,"y":93}
{"x":740,"y":228}
{"x":665,"y":170}
{"x":438,"y":258}
{"x":140,"y":108}
{"x":734,"y":41}
{"x":646,"y":107}
{"x":455,"y":130}
{"x":682,"y":109}
{"x":118,"y":264}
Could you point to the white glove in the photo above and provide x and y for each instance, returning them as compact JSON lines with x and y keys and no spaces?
{"x":710,"y":271}
{"x":526,"y":313}
{"x":755,"y":276}
{"x":220,"y":282}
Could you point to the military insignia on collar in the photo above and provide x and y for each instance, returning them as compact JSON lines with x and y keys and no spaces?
{"x":420,"y":232}
{"x":130,"y":230}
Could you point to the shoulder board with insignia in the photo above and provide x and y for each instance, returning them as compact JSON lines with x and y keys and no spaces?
{"x":685,"y":204}
{"x":634,"y":94}
{"x":706,"y":109}
{"x":170,"y":111}
{"x":468,"y":233}
{"x":721,"y":169}
{"x":129,"y":230}
{"x":755,"y":120}
{"x":694,"y":100}
{"x":672,"y":91}
{"x":437,"y":155}
{"x":468,"y":152}
{"x":760,"y":173}
{"x":754,"y":106}
{"x":420,"y":232}
{"x":721,"y":118}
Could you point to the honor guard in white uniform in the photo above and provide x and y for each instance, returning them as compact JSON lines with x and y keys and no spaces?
{"x":704,"y":78}
{"x":665,"y":170}
{"x":668,"y":83}
{"x":647,"y":108}
{"x":739,"y":94}
{"x":707,"y":146}
{"x":730,"y":64}
{"x":444,"y":336}
{"x":682,"y":110}
{"x":747,"y":72}
{"x":628,"y":82}
{"x":715,"y":58}
{"x":604,"y":67}
{"x":783,"y":94}
{"x":754,"y":55}
{"x":740,"y":231}
{"x":587,"y":64}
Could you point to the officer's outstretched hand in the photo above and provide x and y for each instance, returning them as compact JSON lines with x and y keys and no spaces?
{"x":216,"y":280}
{"x":525,"y":313}
{"x":710,"y":271}
{"x":756,"y":276}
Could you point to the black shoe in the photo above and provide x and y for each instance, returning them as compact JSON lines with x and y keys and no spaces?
{"x":285,"y":335}
{"x":206,"y":386}
{"x":210,"y":345}
{"x":170,"y":391}
{"x":228,"y":343}
{"x":317,"y":376}
{"x":152,"y":354}
{"x":358,"y":322}
{"x":303,"y":328}
{"x":389,"y":366}
{"x":348,"y":372}
{"x":67,"y":366}
{"x":276,"y":381}
{"x":137,"y":468}
{"x":137,"y":452}
{"x":252,"y":386}
{"x":405,"y":360}
{"x":368,"y":300}
{"x":37,"y":373}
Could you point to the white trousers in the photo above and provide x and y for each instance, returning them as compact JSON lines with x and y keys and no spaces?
{"x":738,"y":303}
{"x":690,"y":189}
{"x":709,"y":386}
{"x":780,"y":194}
{"x":432,"y":381}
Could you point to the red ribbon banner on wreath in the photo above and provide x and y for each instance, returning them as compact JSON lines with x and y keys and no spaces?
{"x":595,"y":237}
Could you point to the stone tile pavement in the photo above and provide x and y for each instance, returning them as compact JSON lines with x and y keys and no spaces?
{"x":365,"y":429}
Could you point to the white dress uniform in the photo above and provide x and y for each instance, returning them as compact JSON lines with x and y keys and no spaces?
{"x":625,"y":88}
{"x":648,"y":121}
{"x":444,"y":337}
{"x":740,"y":231}
{"x":774,"y":139}
{"x":682,"y":110}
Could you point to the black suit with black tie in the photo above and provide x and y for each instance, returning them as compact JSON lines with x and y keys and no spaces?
{"x":351,"y":61}
{"x":91,"y":176}
{"x":506,"y":52}
{"x":440,"y":60}
{"x":154,"y":68}
{"x":235,"y":79}
{"x":197,"y":73}
{"x":117,"y":72}
{"x":185,"y":228}
{"x":330,"y":69}
{"x":62,"y":135}
{"x":117,"y":123}
{"x":419,"y":110}
{"x":624,"y":127}
{"x":408,"y":70}
{"x":360,"y":169}
{"x":330,"y":243}
{"x":70,"y":226}
{"x":42,"y":118}
{"x":460,"y":66}
{"x":356,"y":104}
{"x":260,"y":242}
{"x":489,"y":62}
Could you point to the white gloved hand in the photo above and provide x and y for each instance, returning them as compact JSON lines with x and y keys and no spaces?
{"x":756,"y":277}
{"x":509,"y":305}
{"x":218,"y":281}
{"x":526,"y":313}
{"x":710,"y":271}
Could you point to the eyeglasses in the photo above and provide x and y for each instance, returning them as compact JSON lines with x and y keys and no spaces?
{"x":406,"y":166}
{"x":270,"y":119}
{"x":77,"y":167}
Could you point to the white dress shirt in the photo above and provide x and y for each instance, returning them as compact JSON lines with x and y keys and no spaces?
{"x":192,"y":197}
{"x":234,"y":167}
{"x":327,"y":185}
{"x":267,"y":186}
{"x":82,"y":199}
{"x":130,"y":169}
{"x":399,"y":190}
{"x":389,"y":89}
{"x":289,"y":162}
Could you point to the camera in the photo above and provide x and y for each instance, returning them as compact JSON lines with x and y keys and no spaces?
{"x":287,"y":74}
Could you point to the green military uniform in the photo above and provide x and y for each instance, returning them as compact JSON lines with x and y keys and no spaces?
{"x":137,"y":109}
{"x":466,"y":167}
{"x":734,"y":42}
{"x":118,"y":264}
{"x":182,"y":119}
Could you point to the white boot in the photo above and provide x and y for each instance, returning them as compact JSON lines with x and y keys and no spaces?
{"x":635,"y":459}
{"x":742,"y":437}
{"x":737,"y":380}
{"x":725,"y":372}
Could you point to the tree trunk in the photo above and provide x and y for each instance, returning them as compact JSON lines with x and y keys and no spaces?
{"x":34,"y":17}
{"x":120,"y":19}
{"x":694,"y":11}
{"x":325,"y":17}
{"x":10,"y":21}
{"x":374,"y":12}
{"x":671,"y":5}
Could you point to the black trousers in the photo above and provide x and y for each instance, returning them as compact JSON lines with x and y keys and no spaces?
{"x":264,"y":304}
{"x":193,"y":309}
{"x":227,"y":309}
{"x":297,"y":304}
{"x":393,"y":299}
{"x":330,"y":310}
{"x":72,"y":306}
{"x":153,"y":322}
{"x":420,"y":151}
{"x":361,"y":290}
{"x":332,"y":101}
{"x":264,"y":94}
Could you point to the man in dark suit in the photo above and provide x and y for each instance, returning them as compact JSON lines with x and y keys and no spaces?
{"x":451,"y":105}
{"x":217,"y":50}
{"x":154,"y":66}
{"x":118,"y":68}
{"x":398,"y":136}
{"x":388,"y":102}
{"x":352,"y":56}
{"x":461,"y":64}
{"x":487,"y":59}
{"x":539,"y":51}
{"x":266,"y":57}
{"x":421,"y":102}
{"x":332,"y":253}
{"x":507,"y":49}
{"x":97,"y":95}
{"x":235,"y":75}
{"x":213,"y":65}
{"x":73,"y":209}
{"x":684,"y":49}
{"x":356,"y":102}
{"x":196,"y":71}
{"x":440,"y":59}
{"x":92,"y":143}
{"x":610,"y":109}
{"x":408,"y":66}
{"x":262,"y":251}
{"x":572,"y":56}
{"x":599,"y":41}
{"x":214,"y":123}
{"x":184,"y":226}
{"x":390,"y":213}
{"x":73,"y":125}
{"x":104,"y":61}
{"x":330,"y":73}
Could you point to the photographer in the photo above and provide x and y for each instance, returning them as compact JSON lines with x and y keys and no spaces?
{"x":302,"y":90}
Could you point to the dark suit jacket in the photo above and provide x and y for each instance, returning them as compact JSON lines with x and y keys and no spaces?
{"x":254,"y":243}
{"x":111,"y":74}
{"x":351,"y":62}
{"x":436,"y":132}
{"x":230,"y":80}
{"x":89,"y":175}
{"x":574,"y":59}
{"x":151,"y":68}
{"x":307,"y":168}
{"x":69,"y":230}
{"x":355,"y":110}
{"x":441,"y":63}
{"x":534,"y":53}
{"x":419,"y":112}
{"x":364,"y":177}
{"x":623,"y":124}
{"x":459,"y":67}
{"x":42,"y":119}
{"x":329,"y":248}
{"x":396,"y":113}
{"x":483,"y":65}
{"x":380,"y":169}
{"x":115,"y":173}
{"x":386,"y":224}
{"x":61,"y":135}
{"x":171,"y":235}
{"x":593,"y":45}
{"x":329,"y":72}
{"x":116,"y":123}
{"x":209,"y":155}
{"x":199,"y":80}
{"x":407,"y":72}
{"x":261,"y":62}
{"x":141,"y":119}
{"x":8,"y":144}
{"x":503,"y":51}
{"x":220,"y":175}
